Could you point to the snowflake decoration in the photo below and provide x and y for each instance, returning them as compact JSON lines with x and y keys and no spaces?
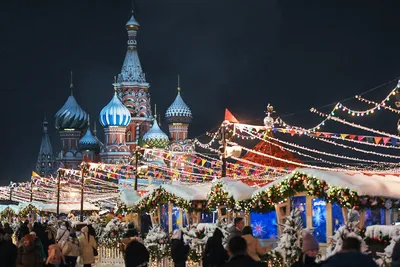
{"x":258,"y":229}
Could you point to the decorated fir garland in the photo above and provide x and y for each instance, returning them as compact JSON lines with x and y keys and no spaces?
{"x":28,"y":209}
{"x":298,"y":183}
{"x":7,"y":212}
{"x":220,"y":197}
{"x":160,"y":196}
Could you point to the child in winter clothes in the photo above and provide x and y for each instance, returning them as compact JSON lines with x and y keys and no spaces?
{"x":309,"y":253}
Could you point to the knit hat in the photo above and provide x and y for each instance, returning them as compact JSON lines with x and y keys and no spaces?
{"x":309,"y":242}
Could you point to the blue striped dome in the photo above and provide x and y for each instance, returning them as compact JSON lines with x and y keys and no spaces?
{"x":178,"y":112}
{"x":70,"y":116}
{"x":115,"y":114}
{"x":155,"y":137}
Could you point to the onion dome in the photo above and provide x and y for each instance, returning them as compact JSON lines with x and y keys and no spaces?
{"x":178,"y":112}
{"x":89,"y":141}
{"x":71,"y":115}
{"x":155,"y":137}
{"x":115,"y":113}
{"x":132,"y":23}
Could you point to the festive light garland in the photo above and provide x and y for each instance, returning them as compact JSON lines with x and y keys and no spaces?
{"x":330,"y":154}
{"x":330,"y":117}
{"x":220,"y":197}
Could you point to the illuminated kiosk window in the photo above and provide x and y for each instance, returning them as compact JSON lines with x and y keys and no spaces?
{"x":164,"y":217}
{"x":175,"y":218}
{"x":337,"y":217}
{"x":264,"y":225}
{"x":319,"y":219}
{"x":208,"y":217}
{"x":300,"y":203}
{"x":374,"y":217}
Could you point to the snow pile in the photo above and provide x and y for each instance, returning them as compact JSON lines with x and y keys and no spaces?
{"x":188,"y":193}
{"x":236,"y":189}
{"x":349,"y":229}
{"x":129,"y":196}
{"x":378,"y":231}
{"x":157,"y":243}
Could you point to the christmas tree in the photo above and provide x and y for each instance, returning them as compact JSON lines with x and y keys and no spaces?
{"x":349,"y":229}
{"x":157,"y":243}
{"x":289,"y":243}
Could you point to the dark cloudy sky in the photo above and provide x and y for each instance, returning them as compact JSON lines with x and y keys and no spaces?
{"x":239,"y":54}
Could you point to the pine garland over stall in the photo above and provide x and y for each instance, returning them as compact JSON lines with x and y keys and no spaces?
{"x":299,"y":183}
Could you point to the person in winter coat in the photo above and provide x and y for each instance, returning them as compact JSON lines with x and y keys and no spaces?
{"x":236,"y":229}
{"x":350,"y":256}
{"x":29,"y":254}
{"x":72,"y":256}
{"x":38,"y":243}
{"x":129,"y":236}
{"x":215,"y":254}
{"x":237,"y":248}
{"x":62,"y":233}
{"x":86,"y":244}
{"x":56,"y":256}
{"x":310,"y":249}
{"x":254,"y":248}
{"x":179,"y":251}
{"x":8,"y":252}
{"x":136,"y":254}
{"x":7,"y":229}
{"x":396,"y":255}
{"x":23,"y":230}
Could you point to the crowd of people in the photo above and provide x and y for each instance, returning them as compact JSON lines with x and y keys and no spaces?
{"x":40,"y":245}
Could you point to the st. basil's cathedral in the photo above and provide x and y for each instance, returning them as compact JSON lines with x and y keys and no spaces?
{"x":127,"y":120}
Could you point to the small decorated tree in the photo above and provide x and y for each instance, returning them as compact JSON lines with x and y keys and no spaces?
{"x":112,"y":233}
{"x":349,"y":229}
{"x":157,"y":242}
{"x":288,"y":248}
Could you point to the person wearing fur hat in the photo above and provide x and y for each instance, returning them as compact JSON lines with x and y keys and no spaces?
{"x":310,"y":249}
{"x":179,"y":251}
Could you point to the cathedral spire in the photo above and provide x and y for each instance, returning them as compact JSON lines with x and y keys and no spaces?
{"x":45,"y":164}
{"x":71,"y":85}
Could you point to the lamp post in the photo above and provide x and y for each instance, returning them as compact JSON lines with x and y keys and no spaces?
{"x":223,"y":151}
{"x":137,"y":154}
{"x":31,"y":198}
{"x":58,"y":192}
{"x":84,"y":168}
{"x":11,"y":190}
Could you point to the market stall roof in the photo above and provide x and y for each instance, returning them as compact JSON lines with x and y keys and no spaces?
{"x":370,"y":184}
{"x":236,"y":189}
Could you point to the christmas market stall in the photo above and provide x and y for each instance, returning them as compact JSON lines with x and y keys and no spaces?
{"x":324,"y":199}
{"x":178,"y":205}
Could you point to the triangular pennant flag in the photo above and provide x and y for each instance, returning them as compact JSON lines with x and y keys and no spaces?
{"x":352,"y":136}
{"x":360,"y":137}
{"x":344,"y":136}
{"x":318,"y":134}
{"x":377,"y":139}
{"x":394,"y":141}
{"x":386,"y":140}
{"x":229,"y":116}
{"x":34,"y":174}
{"x":327,"y":135}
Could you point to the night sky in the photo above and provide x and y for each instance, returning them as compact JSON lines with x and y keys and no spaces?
{"x":236,"y":54}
